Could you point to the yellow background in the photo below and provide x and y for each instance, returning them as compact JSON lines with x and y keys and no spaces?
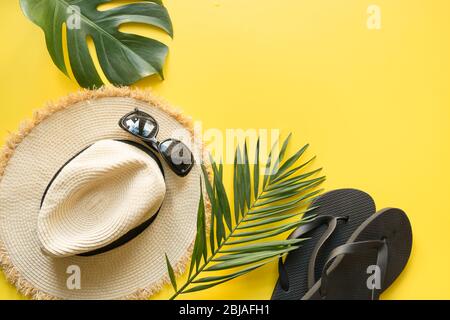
{"x":374,"y":104}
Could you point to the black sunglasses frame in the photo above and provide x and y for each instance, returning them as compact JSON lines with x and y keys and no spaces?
{"x":154,"y":144}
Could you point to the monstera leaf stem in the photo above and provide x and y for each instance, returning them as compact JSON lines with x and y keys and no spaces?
{"x":242,"y":243}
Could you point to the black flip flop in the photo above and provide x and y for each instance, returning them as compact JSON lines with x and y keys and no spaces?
{"x":369,"y":262}
{"x":339,"y":214}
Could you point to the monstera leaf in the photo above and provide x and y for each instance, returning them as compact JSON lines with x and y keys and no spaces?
{"x":124,"y":58}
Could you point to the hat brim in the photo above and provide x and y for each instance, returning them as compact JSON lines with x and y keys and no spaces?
{"x":29,"y":160}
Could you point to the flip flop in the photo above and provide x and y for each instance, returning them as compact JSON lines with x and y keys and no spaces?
{"x":369,"y":262}
{"x":339,"y":214}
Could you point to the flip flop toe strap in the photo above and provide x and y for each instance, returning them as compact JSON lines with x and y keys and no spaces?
{"x":355,"y":248}
{"x":331,"y":222}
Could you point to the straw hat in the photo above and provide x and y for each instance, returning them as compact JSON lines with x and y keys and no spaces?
{"x":80,"y":197}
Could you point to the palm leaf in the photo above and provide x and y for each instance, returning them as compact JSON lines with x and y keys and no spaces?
{"x":246,"y":182}
{"x":262,"y":246}
{"x":123,"y":57}
{"x":229,"y":276}
{"x":292,"y":171}
{"x":280,"y":229}
{"x":236,"y":188}
{"x":171,"y":274}
{"x":264,"y":235}
{"x":275,"y":213}
{"x":200,"y":245}
{"x":267,"y":172}
{"x":288,"y":182}
{"x":280,"y":156}
{"x":291,"y":161}
{"x":222,"y":198}
{"x":256,"y":170}
{"x":242,"y":240}
{"x":249,"y":258}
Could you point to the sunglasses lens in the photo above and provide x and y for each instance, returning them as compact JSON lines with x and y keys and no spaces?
{"x":178,"y":155}
{"x":141,"y":126}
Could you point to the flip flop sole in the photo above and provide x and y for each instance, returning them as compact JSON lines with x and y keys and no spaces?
{"x":351,"y":203}
{"x":349,"y":274}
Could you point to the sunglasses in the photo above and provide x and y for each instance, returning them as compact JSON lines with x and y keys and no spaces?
{"x":176,"y":154}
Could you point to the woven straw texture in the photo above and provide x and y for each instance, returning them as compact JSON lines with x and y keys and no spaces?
{"x":30,"y":159}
